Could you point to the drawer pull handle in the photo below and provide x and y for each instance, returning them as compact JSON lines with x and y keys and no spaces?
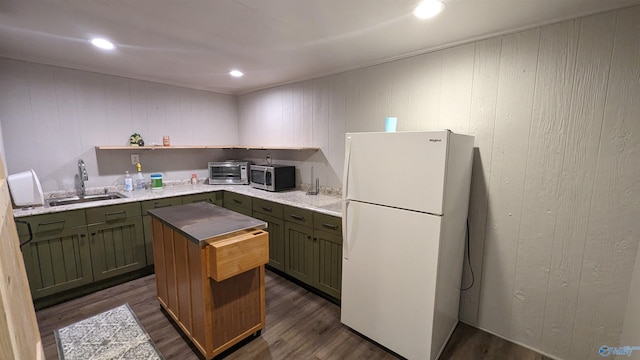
{"x":237,"y":201}
{"x":330,"y":226}
{"x":267,"y":208}
{"x":297,"y":217}
{"x":115,"y":215}
{"x":158,"y":205}
{"x":51,"y":223}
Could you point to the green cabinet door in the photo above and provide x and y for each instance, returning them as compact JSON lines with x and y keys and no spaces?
{"x":299,"y":252}
{"x":57,"y":261}
{"x":276,"y":240}
{"x":117,"y":248}
{"x":328,"y":263}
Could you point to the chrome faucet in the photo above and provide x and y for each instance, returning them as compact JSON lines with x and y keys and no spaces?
{"x":82,"y":174}
{"x":317,"y":190}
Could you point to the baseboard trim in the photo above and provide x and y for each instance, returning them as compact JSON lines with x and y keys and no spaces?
{"x":513,"y":341}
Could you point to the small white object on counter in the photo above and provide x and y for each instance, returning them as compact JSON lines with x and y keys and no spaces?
{"x":26,"y":189}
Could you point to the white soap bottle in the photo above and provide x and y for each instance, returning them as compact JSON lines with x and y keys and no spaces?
{"x":128,"y":181}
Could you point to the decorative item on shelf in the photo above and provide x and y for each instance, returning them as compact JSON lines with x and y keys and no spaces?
{"x":136,"y":140}
{"x":166,"y":140}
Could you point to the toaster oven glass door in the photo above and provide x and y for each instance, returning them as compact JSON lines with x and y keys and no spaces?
{"x":226,"y":172}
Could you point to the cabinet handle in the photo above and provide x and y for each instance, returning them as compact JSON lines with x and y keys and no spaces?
{"x":237,"y":201}
{"x":117,"y":214}
{"x":30,"y":232}
{"x":93,"y":234}
{"x":52,"y":223}
{"x":82,"y":235}
{"x":267,"y":209}
{"x":330,"y":226}
{"x":315,"y":239}
{"x":158,"y":205}
{"x":297,"y":217}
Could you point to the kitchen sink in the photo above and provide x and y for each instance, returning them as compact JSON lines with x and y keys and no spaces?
{"x":84,"y":199}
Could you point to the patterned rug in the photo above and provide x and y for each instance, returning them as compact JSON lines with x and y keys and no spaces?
{"x":113,"y":334}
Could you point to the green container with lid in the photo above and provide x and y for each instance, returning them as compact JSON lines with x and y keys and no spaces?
{"x":156,"y":181}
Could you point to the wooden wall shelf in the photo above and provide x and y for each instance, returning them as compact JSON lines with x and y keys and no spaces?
{"x":220,"y":147}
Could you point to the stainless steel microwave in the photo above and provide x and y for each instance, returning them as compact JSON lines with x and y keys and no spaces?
{"x":273,"y":177}
{"x":229,"y":172}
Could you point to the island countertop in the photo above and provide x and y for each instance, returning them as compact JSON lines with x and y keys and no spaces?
{"x":202,"y":222}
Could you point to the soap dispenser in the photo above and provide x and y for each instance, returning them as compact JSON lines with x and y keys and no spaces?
{"x":139,"y":178}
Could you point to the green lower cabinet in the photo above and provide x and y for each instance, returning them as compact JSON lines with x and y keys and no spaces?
{"x":58,"y":261}
{"x":146,"y":221}
{"x":299,"y":251}
{"x":328,"y":263}
{"x":276,"y":240}
{"x":117,"y":248}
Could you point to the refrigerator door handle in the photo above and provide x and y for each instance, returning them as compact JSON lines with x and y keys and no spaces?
{"x":345,"y":238}
{"x":345,"y":198}
{"x":347,"y":164}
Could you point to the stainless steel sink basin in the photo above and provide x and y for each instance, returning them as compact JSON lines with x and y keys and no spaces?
{"x":84,"y":199}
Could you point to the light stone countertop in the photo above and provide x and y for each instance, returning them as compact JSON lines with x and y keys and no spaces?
{"x":326,"y":204}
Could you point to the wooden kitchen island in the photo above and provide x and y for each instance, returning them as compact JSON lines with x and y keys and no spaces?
{"x":209,"y":265}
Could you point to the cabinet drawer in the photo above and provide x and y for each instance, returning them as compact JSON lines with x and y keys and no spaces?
{"x":158,"y":203}
{"x":237,"y":253}
{"x":112,"y":213}
{"x":239,"y":200}
{"x":214,"y":198}
{"x":327,"y":223}
{"x":298,"y":216}
{"x":52,"y":222}
{"x":268,"y":207}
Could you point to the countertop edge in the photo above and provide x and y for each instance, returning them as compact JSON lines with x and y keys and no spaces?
{"x":329,"y":203}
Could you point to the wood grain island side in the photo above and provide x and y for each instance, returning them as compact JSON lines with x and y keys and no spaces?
{"x":209,"y":264}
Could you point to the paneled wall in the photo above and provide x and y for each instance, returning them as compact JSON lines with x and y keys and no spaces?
{"x":555,"y":206}
{"x":53,"y":116}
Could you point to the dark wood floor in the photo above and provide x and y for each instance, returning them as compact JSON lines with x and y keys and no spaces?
{"x":300,"y":325}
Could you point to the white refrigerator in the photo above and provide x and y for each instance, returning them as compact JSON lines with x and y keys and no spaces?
{"x":406,"y":197}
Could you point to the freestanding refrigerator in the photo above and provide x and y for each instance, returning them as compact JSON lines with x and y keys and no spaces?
{"x":406,"y":197}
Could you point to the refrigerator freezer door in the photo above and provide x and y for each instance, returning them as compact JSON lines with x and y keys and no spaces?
{"x":381,"y":167}
{"x":389,"y":278}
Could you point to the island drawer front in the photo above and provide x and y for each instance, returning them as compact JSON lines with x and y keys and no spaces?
{"x":112,"y":213}
{"x":158,"y":203}
{"x":327,"y":223}
{"x":237,"y":200}
{"x":268,"y":207}
{"x":237,"y":253}
{"x":52,"y":222}
{"x":298,"y":216}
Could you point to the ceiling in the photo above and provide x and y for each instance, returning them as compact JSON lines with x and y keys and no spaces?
{"x":195,"y":43}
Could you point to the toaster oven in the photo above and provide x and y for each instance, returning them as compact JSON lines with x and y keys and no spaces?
{"x":229,"y":173}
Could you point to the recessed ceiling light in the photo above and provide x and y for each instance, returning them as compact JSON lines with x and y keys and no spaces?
{"x":428,"y":8}
{"x":236,"y":73}
{"x":103,"y":44}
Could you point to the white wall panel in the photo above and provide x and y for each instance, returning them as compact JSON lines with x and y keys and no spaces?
{"x":53,"y":116}
{"x":575,"y":191}
{"x":516,"y":83}
{"x":613,"y":229}
{"x":550,"y":115}
{"x":482,"y":121}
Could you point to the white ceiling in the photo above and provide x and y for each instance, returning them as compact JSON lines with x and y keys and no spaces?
{"x":194,"y":43}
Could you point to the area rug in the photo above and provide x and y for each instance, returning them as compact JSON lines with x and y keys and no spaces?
{"x":113,"y":334}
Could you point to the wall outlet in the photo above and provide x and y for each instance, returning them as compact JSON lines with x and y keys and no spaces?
{"x":135,"y":158}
